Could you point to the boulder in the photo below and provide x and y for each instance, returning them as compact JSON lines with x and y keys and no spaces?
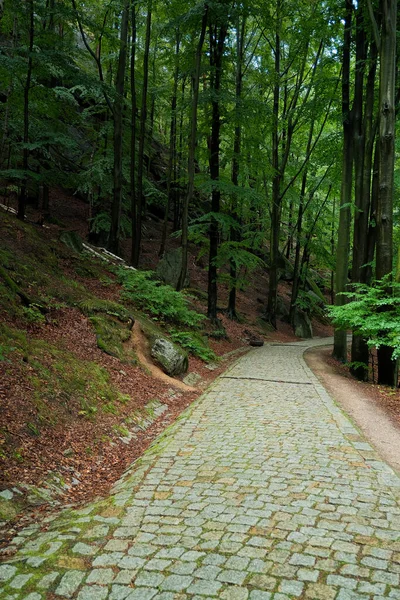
{"x":172,"y":359}
{"x":169,"y":268}
{"x":281,"y":308}
{"x":302,"y":324}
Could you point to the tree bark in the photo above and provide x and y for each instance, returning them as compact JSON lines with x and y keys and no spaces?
{"x":218,"y":34}
{"x":299,"y":228}
{"x":113,"y":242}
{"x":343,"y":245}
{"x":192,"y":148}
{"x":359,"y":348}
{"x":234,"y":233}
{"x":276,"y":183}
{"x":134,"y":207}
{"x":171,"y":183}
{"x":23,"y":196}
{"x":387,"y":124}
{"x":141,"y":204}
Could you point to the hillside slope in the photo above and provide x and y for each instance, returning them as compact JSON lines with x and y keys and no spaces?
{"x":77,"y":406}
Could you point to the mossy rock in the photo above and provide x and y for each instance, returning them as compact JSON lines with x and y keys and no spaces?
{"x":169,"y":268}
{"x":172,"y":359}
{"x":8,"y":509}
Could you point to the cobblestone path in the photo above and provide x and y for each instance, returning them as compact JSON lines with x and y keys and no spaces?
{"x":262,"y":489}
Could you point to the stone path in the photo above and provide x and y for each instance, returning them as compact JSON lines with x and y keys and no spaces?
{"x":262,"y":489}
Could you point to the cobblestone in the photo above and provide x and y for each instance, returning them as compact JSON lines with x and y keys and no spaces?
{"x":263,"y":490}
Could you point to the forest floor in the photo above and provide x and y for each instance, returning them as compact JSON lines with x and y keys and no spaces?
{"x":45,"y":436}
{"x":90,"y":453}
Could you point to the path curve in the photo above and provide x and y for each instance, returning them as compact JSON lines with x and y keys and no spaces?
{"x":262,"y":489}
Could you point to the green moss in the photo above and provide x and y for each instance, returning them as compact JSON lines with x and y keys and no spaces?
{"x":8,"y":510}
{"x":64,"y":386}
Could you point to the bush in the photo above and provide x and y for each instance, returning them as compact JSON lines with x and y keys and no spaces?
{"x":156,"y":299}
{"x":194,"y":343}
{"x":373,"y":313}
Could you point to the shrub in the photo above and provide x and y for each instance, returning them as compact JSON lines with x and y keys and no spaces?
{"x":194,"y":343}
{"x":373,"y":313}
{"x":156,"y":299}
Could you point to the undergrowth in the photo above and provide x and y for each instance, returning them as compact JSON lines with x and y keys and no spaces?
{"x":156,"y":299}
{"x":63,"y":386}
{"x":194,"y":343}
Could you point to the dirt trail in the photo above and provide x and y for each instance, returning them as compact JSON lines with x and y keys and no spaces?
{"x":358,"y":400}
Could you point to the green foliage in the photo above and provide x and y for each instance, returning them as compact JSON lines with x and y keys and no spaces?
{"x":90,"y":306}
{"x":194,"y":342}
{"x":242,"y":258}
{"x":159,"y":301}
{"x":373,"y":312}
{"x":107,"y":317}
{"x":33,"y":315}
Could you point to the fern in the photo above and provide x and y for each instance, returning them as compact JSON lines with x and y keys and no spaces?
{"x":158,"y":300}
{"x":373,"y":312}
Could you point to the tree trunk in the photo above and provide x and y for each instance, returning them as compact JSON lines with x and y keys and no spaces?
{"x":387,"y":124}
{"x":134,"y":207}
{"x":192,"y":149}
{"x":359,"y":348}
{"x":276,"y":182}
{"x":171,"y":179}
{"x":217,"y":42}
{"x":113,"y":242}
{"x":141,"y":204}
{"x":23,"y":196}
{"x":343,"y":245}
{"x":234,"y":233}
{"x":362,"y":230}
{"x":299,"y":228}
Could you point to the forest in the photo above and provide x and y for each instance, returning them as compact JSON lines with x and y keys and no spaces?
{"x":261,"y":133}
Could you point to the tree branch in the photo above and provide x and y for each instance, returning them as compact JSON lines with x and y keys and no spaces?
{"x":93,"y":55}
{"x":374,"y":24}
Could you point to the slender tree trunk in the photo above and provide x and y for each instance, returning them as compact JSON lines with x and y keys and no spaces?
{"x":359,"y":348}
{"x":141,"y":204}
{"x":171,"y":175}
{"x":299,"y":227}
{"x":113,"y":242}
{"x":333,"y":250}
{"x":153,"y":101}
{"x":23,"y":196}
{"x":371,"y":238}
{"x":134,"y":207}
{"x":364,"y":143}
{"x":217,"y":42}
{"x":234,"y":233}
{"x":387,"y":127}
{"x":192,"y":149}
{"x":343,"y":245}
{"x":179,"y":168}
{"x":276,"y":182}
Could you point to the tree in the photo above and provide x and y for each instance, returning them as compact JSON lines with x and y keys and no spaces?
{"x":343,"y":244}
{"x":192,"y":146}
{"x":140,"y":200}
{"x":218,"y":29}
{"x":25,"y":162}
{"x":113,"y":242}
{"x":386,"y":42}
